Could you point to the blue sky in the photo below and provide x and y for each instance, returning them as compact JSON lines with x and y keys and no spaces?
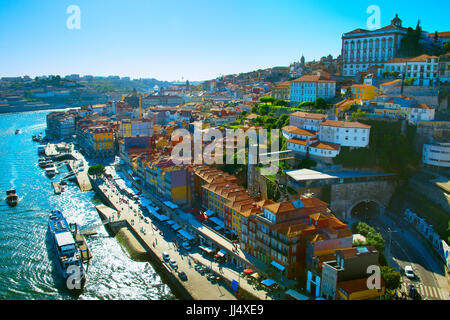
{"x":194,"y":40}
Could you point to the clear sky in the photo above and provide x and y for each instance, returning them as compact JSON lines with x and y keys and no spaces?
{"x":194,"y":40}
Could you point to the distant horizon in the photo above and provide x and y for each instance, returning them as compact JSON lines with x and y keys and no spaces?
{"x":179,"y":41}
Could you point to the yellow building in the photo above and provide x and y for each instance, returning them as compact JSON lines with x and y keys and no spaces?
{"x":282,"y":91}
{"x":358,"y":290}
{"x":125,"y":129}
{"x":344,"y":105}
{"x":363,"y":91}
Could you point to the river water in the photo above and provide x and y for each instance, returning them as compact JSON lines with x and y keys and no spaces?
{"x":26,"y":272}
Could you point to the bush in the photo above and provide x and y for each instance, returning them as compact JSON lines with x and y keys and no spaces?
{"x":391,"y":277}
{"x":281,"y":103}
{"x":96,"y":170}
{"x":266,"y":99}
{"x":305,"y":104}
{"x":320,"y":103}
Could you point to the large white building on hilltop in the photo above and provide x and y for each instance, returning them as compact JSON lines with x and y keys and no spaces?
{"x":363,"y":48}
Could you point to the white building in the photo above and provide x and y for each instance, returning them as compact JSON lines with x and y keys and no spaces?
{"x":311,"y":87}
{"x":437,"y":154}
{"x":306,"y":121}
{"x":345,"y":133}
{"x":292,"y":132}
{"x":421,"y":112}
{"x":364,"y":48}
{"x":423,"y":68}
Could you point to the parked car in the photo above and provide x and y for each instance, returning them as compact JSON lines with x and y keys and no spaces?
{"x":409,"y":272}
{"x":182,"y":275}
{"x":166,"y":256}
{"x":173,"y":264}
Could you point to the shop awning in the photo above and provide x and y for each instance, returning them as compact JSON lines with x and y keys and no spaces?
{"x":268,"y":282}
{"x":221,"y":253}
{"x":206,"y":249}
{"x":209,"y":213}
{"x":277,"y":265}
{"x":175,"y":227}
{"x":217,"y":221}
{"x":170,"y":204}
{"x":248,"y":271}
{"x":170,"y":222}
{"x":296,"y":295}
{"x":185,"y":234}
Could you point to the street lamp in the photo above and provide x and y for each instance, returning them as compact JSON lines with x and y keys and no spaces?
{"x":390,"y":241}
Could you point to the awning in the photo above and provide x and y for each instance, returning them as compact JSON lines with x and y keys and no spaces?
{"x":254,"y":275}
{"x":277,"y":265}
{"x":268,"y":282}
{"x":221,"y":253}
{"x":248,"y":271}
{"x":170,"y":204}
{"x":217,"y":221}
{"x":206,"y":249}
{"x":185,"y":234}
{"x":170,"y":222}
{"x":209,"y":212}
{"x":296,"y":295}
{"x":175,"y":227}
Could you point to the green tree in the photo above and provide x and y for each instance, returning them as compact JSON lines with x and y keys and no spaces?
{"x":263,"y":109}
{"x":447,"y":46}
{"x":96,"y":170}
{"x":266,"y":99}
{"x":391,"y":277}
{"x":320,"y":103}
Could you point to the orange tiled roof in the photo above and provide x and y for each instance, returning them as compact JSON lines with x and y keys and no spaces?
{"x":422,"y":106}
{"x":297,"y":141}
{"x":325,"y":146}
{"x":295,"y":130}
{"x":356,"y":285}
{"x":307,"y":115}
{"x":345,"y":124}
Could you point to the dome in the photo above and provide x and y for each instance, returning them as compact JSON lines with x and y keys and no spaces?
{"x":396,"y":21}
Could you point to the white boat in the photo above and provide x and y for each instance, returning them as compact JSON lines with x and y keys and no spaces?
{"x":50,"y":171}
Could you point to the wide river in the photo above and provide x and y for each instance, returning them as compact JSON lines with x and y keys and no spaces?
{"x":26,"y":272}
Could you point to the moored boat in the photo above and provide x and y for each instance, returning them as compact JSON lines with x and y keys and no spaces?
{"x":50,"y":171}
{"x":68,"y":257}
{"x":11,"y":197}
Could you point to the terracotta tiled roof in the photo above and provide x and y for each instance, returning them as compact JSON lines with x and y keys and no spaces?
{"x":398,"y":81}
{"x":283,"y":85}
{"x":421,"y":58}
{"x":356,"y":285}
{"x":295,"y":130}
{"x":422,"y":106}
{"x":312,"y":78}
{"x":307,"y":115}
{"x":325,"y":146}
{"x":297,"y":141}
{"x":345,"y":124}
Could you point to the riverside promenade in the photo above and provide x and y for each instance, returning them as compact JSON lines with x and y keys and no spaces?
{"x":187,"y":221}
{"x":157,"y":241}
